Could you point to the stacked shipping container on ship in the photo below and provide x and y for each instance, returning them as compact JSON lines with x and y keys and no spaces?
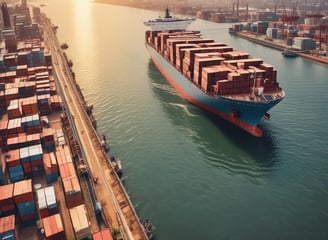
{"x":7,"y":205}
{"x":70,"y":181}
{"x":7,"y":228}
{"x":217,"y":69}
{"x":228,"y":84}
{"x":24,"y":201}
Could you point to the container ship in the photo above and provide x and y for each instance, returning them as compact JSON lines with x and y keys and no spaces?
{"x":213,"y":76}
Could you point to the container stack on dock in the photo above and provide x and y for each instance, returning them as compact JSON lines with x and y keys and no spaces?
{"x":47,"y":204}
{"x":24,"y":201}
{"x":70,"y":181}
{"x":50,"y":167}
{"x":214,"y":67}
{"x":32,"y":143}
{"x":7,"y":228}
{"x":48,"y":139}
{"x":7,"y":205}
{"x":14,"y":166}
{"x":80,"y":222}
{"x":53,"y":228}
{"x":102,"y":235}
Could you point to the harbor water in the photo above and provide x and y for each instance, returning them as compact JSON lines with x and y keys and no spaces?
{"x":193,"y":175}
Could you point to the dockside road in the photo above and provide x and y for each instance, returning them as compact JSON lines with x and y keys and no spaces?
{"x":117,"y":208}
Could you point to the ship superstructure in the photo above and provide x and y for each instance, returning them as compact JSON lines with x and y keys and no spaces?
{"x":169,"y":22}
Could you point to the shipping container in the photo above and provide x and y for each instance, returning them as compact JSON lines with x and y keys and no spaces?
{"x":102,"y":235}
{"x":7,"y":228}
{"x":53,"y":228}
{"x":72,"y":190}
{"x":23,"y":191}
{"x":80,"y":222}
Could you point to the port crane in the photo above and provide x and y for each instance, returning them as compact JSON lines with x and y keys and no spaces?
{"x":323,"y":25}
{"x":236,"y":9}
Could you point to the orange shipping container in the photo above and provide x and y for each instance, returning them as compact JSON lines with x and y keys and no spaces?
{"x":72,"y":189}
{"x":7,"y":224}
{"x":12,"y":158}
{"x":53,"y":228}
{"x":23,"y":191}
{"x":102,"y":235}
{"x":66,"y":170}
{"x":6,"y":194}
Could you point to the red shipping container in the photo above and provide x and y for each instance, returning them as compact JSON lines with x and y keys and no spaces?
{"x":23,"y":191}
{"x":28,"y":217}
{"x":27,"y":167}
{"x":102,"y":235}
{"x":44,"y":213}
{"x":36,"y":163}
{"x":8,"y":207}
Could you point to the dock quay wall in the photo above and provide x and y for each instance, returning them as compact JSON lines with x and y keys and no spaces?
{"x":110,"y":192}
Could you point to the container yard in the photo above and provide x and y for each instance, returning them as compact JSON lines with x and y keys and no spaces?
{"x":55,"y":182}
{"x":306,"y":36}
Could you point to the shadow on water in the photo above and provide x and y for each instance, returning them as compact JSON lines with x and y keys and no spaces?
{"x":222,"y":144}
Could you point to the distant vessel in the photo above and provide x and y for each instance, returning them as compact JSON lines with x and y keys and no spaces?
{"x":289,"y":53}
{"x":64,"y":46}
{"x":213,"y":76}
{"x":169,"y":23}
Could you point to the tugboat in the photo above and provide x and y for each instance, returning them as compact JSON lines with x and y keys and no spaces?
{"x":149,"y":228}
{"x":64,"y":46}
{"x":117,"y":164}
{"x":289,"y":53}
{"x":104,"y":144}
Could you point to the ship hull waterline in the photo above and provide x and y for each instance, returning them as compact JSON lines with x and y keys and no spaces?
{"x":250,"y":112}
